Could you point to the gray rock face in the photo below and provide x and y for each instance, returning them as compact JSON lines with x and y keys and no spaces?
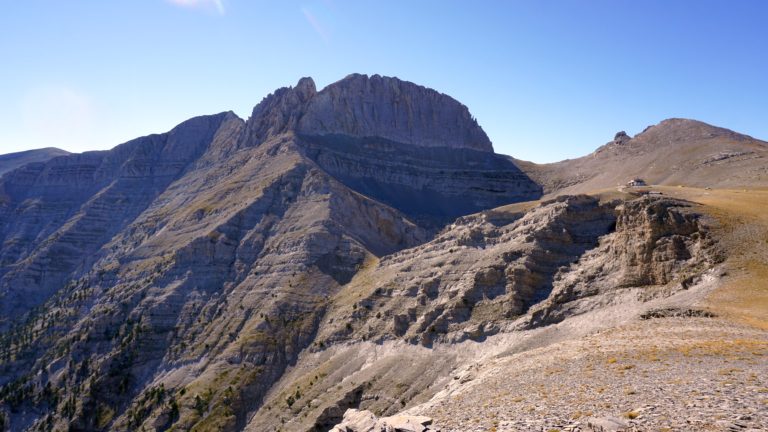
{"x":532,"y":269}
{"x":431,"y":185}
{"x":359,"y":106}
{"x":399,"y":111}
{"x":657,"y":242}
{"x":55,"y":215}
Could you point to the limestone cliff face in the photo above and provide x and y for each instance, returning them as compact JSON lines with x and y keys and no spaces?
{"x":405,"y":145}
{"x":525,"y":269}
{"x":56,"y":215}
{"x":431,"y":185}
{"x":659,"y":243}
{"x":480,"y":271}
{"x":410,"y":147}
{"x":362,"y":106}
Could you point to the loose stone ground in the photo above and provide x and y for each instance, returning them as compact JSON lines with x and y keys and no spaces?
{"x":664,"y":374}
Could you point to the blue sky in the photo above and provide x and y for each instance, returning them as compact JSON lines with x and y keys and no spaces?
{"x":547,"y":80}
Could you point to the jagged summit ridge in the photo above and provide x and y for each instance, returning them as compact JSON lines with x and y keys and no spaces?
{"x":390,"y":108}
{"x":362,"y":107}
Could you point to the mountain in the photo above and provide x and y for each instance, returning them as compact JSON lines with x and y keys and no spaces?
{"x":11,"y":161}
{"x":212,"y":250}
{"x":673,"y":152}
{"x":362,"y":247}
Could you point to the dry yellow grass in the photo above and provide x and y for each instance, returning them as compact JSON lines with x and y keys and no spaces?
{"x":631,"y":414}
{"x":517,"y":207}
{"x":743,"y":218}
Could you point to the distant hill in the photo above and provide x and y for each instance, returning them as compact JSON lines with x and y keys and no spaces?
{"x":673,"y":152}
{"x":11,"y":161}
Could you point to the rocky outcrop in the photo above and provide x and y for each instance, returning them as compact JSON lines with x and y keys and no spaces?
{"x":279,"y":112}
{"x":531,"y":269}
{"x":621,"y":138}
{"x":481,"y":271}
{"x":657,"y":242}
{"x":365,"y":421}
{"x":361,"y":106}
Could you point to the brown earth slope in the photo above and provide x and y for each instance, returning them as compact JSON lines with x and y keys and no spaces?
{"x":673,"y":152}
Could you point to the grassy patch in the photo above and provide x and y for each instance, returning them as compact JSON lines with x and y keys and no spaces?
{"x":631,"y":415}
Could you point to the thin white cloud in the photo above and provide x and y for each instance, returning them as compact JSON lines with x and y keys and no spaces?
{"x":316,"y":25}
{"x":217,"y":5}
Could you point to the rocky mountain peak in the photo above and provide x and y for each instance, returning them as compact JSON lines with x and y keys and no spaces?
{"x":306,"y":88}
{"x":279,"y":112}
{"x":277,"y":274}
{"x":361,"y":106}
{"x":400,"y":111}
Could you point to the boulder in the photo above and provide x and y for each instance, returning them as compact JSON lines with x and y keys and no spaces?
{"x":364,"y":421}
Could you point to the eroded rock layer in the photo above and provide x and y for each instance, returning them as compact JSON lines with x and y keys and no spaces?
{"x":385,"y":341}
